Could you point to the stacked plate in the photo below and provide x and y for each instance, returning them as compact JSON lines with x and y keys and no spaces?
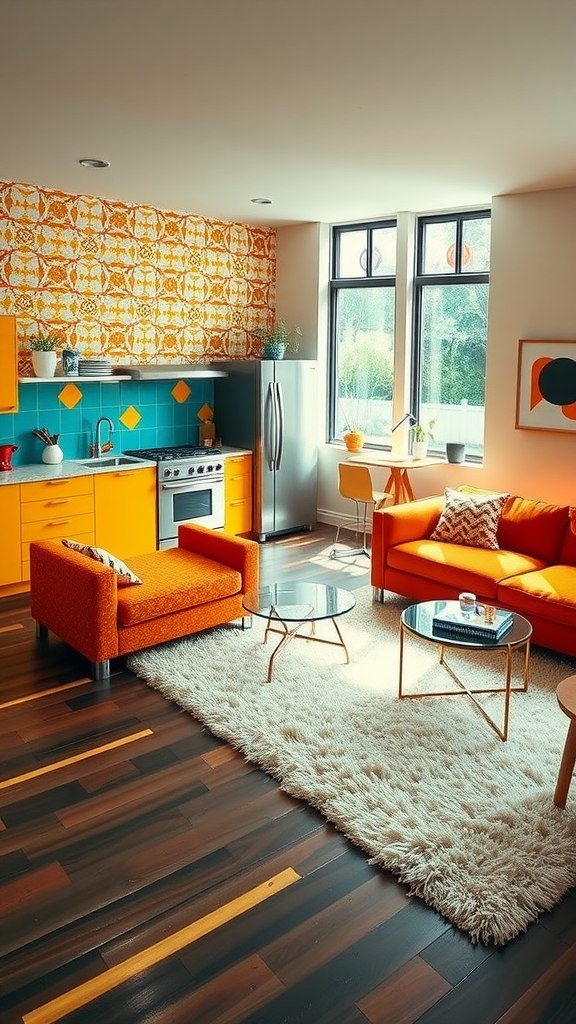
{"x":97,"y":367}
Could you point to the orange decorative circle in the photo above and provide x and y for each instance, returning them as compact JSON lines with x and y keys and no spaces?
{"x":466,"y":255}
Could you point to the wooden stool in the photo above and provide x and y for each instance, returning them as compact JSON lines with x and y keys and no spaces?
{"x":566,"y":694}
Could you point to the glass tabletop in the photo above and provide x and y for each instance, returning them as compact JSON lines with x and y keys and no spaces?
{"x":299,"y":602}
{"x":419,"y":619}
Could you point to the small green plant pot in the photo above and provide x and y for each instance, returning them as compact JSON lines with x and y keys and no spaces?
{"x":274,"y":350}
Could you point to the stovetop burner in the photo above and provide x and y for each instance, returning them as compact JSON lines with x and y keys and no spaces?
{"x":186,"y":451}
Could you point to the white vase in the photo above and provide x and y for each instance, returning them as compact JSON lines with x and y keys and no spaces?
{"x":52,"y":454}
{"x":44,"y":363}
{"x":419,"y":449}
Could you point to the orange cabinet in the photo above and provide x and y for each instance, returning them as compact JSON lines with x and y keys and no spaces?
{"x":238,"y":494}
{"x":54,"y":509}
{"x":10,"y":556}
{"x":9,"y":363}
{"x":125,"y":509}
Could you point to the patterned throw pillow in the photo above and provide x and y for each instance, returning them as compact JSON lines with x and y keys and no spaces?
{"x":124,"y":574}
{"x":470,"y":519}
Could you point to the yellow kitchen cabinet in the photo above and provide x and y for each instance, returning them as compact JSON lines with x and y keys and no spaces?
{"x":9,"y":363}
{"x":238,"y":494}
{"x":10,"y":557}
{"x":54,"y":509}
{"x":125,"y":508}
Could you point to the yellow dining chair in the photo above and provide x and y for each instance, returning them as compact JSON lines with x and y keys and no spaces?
{"x":355,"y":482}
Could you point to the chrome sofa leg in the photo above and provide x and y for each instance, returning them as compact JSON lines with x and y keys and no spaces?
{"x":100,"y":671}
{"x":378,"y":594}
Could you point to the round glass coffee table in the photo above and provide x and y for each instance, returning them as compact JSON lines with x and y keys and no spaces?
{"x":418,"y":621}
{"x":290,"y":607}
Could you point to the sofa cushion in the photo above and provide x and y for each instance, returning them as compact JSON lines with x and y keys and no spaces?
{"x":458,"y":565}
{"x":547,"y":593}
{"x":534,"y":527}
{"x":125,"y":575}
{"x":172,"y":581}
{"x":470,"y":519}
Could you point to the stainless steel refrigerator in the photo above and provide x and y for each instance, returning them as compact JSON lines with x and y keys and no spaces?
{"x":270,"y":407}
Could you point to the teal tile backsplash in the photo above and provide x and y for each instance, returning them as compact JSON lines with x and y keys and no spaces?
{"x":164,"y":421}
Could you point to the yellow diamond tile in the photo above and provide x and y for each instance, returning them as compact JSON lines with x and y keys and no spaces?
{"x":70,"y":396}
{"x":205,"y":413}
{"x":130,"y":417}
{"x":181,"y":392}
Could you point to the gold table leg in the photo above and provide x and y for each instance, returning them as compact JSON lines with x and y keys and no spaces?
{"x":507,"y":689}
{"x":286,"y":635}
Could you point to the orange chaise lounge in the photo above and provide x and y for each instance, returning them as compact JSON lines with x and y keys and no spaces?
{"x":531,"y":571}
{"x":182,"y":590}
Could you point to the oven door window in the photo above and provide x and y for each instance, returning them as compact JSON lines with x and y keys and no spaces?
{"x":192,"y":505}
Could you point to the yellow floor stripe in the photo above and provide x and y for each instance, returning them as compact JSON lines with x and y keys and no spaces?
{"x":13,"y":628}
{"x":105,"y":982}
{"x":44,"y":693}
{"x":73,"y":760}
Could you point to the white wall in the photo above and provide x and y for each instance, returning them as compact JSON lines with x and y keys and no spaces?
{"x":532,"y":288}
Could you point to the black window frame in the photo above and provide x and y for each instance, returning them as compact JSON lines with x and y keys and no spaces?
{"x":452,"y":277}
{"x":336,"y":284}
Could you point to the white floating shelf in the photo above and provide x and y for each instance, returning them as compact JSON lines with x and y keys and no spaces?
{"x":109,"y":379}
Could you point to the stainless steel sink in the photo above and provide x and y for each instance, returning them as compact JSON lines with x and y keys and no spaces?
{"x":109,"y":460}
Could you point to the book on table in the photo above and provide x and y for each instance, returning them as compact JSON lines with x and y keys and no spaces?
{"x":450,"y":622}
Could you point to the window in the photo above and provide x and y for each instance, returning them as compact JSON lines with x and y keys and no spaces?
{"x":450,"y":319}
{"x":362,"y":297}
{"x":450,"y":327}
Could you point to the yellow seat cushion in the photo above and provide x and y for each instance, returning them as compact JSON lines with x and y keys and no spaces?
{"x":172,"y":581}
{"x":459,"y":566}
{"x":548,"y":593}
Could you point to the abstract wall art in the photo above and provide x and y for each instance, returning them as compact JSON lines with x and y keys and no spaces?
{"x":546,"y":395}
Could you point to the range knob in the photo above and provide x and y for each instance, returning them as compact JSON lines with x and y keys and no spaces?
{"x":200,"y":469}
{"x":176,"y":472}
{"x":218,"y":467}
{"x":191,"y":470}
{"x":167,"y":472}
{"x":209,"y":468}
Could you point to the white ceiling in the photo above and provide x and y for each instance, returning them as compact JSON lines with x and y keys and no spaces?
{"x":336,"y":110}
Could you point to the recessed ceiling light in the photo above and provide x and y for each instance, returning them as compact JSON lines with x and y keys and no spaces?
{"x":261,"y":202}
{"x":89,"y":161}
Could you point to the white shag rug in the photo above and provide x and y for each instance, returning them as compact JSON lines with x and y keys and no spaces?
{"x":425,"y":787}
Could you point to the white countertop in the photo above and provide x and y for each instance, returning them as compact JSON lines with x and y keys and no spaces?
{"x":72,"y":468}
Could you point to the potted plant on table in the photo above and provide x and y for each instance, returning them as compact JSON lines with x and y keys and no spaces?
{"x":353,"y":433}
{"x":273,"y":342}
{"x":44,"y":355}
{"x":421,"y":437}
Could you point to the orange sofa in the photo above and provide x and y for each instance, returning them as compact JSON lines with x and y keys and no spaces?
{"x":195,"y":586}
{"x":533,"y":572}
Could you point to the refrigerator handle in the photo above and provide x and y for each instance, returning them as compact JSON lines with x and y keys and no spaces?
{"x":280,"y":426}
{"x":271,"y":431}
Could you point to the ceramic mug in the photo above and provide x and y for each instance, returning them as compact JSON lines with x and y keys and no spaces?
{"x":467,"y":604}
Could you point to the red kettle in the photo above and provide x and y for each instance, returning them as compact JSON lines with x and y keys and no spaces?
{"x":6,"y":453}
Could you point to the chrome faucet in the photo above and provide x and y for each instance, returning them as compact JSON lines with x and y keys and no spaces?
{"x":103,"y":419}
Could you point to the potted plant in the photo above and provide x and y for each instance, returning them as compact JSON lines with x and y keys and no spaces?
{"x":421,"y":436}
{"x":353,"y":433}
{"x":44,"y":356}
{"x":273,"y":342}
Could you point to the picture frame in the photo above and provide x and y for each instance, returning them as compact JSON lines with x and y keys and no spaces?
{"x":546,"y":388}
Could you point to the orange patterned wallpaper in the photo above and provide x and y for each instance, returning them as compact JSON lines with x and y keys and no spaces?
{"x":131,"y":282}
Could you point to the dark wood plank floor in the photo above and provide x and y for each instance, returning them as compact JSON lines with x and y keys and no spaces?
{"x":165,"y":880}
